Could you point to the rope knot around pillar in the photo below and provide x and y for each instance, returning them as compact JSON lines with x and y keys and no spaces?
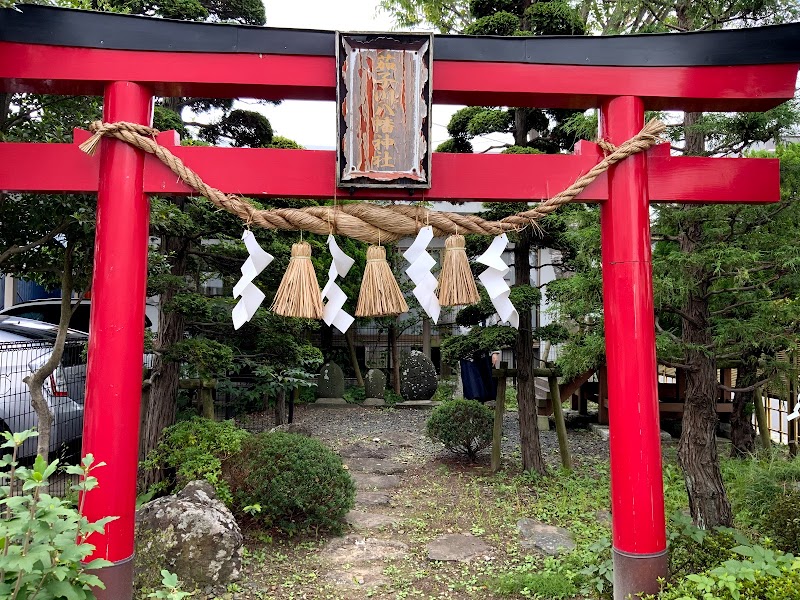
{"x":362,"y":221}
{"x":606,"y":146}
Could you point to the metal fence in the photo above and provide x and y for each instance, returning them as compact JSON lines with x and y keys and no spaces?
{"x":64,"y":392}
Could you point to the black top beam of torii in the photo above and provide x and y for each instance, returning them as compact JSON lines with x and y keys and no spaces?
{"x":34,"y":24}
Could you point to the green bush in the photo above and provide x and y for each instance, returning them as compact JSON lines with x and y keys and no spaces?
{"x":760,"y":574}
{"x":196,"y":449}
{"x":782,"y":522}
{"x":445,"y":390}
{"x":355,"y":395}
{"x":44,"y":537}
{"x":693,"y":550}
{"x":463,"y":426}
{"x":753,"y":485}
{"x":297,"y":483}
{"x":391,"y":397}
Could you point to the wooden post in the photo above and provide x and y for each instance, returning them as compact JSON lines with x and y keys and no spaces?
{"x":561,"y":426}
{"x":791,"y":426}
{"x":206,"y":393}
{"x":602,"y":393}
{"x":761,"y":419}
{"x":499,"y":408}
{"x":280,"y":408}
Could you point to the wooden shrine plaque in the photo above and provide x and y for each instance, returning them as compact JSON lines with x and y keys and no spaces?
{"x":384,"y":101}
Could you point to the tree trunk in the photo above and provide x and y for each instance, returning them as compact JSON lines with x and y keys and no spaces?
{"x":164,"y":390}
{"x":351,"y":347}
{"x":531,"y":449}
{"x":36,"y":381}
{"x":743,"y":434}
{"x":280,"y":408}
{"x":395,"y":358}
{"x":697,"y":450}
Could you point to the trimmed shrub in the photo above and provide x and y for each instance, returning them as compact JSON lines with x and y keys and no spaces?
{"x":196,"y":449}
{"x":297,"y":483}
{"x":463,"y":426}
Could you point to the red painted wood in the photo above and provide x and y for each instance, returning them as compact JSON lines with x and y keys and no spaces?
{"x":116,"y":337}
{"x":60,"y":70}
{"x":637,"y":494}
{"x":479,"y":177}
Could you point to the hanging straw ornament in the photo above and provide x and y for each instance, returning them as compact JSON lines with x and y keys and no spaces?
{"x":298,"y":294}
{"x":380,"y":296}
{"x":456,"y":283}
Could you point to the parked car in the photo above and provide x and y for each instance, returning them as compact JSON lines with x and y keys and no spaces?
{"x":25,"y":345}
{"x":49,"y":311}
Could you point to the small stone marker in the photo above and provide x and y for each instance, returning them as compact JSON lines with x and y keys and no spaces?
{"x":460,"y":547}
{"x":544,"y":538}
{"x":601,"y":431}
{"x":418,"y":379}
{"x":330,"y":384}
{"x":374,"y":388}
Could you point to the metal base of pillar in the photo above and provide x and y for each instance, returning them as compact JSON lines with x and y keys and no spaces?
{"x":118,"y":579}
{"x":638,"y":574}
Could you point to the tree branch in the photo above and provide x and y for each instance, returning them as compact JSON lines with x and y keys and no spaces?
{"x":15,"y":249}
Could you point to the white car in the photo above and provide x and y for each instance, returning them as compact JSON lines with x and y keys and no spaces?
{"x":25,"y":345}
{"x":49,"y":311}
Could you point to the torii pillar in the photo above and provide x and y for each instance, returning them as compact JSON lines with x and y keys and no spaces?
{"x":637,"y":490}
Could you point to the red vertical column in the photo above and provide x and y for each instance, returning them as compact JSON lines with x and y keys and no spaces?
{"x":116,"y":338}
{"x":637,"y":493}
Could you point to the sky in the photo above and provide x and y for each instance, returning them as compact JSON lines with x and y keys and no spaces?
{"x":313,"y":124}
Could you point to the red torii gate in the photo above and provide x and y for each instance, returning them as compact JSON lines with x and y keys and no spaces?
{"x":129,"y":60}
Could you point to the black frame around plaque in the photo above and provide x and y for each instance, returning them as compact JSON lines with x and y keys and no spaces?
{"x":389,"y":41}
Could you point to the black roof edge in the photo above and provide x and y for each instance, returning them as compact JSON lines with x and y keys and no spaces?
{"x":35,"y":24}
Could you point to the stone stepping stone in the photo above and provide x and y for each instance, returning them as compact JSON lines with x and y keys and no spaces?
{"x":544,"y":538}
{"x":368,"y":482}
{"x":366,"y":520}
{"x":372,"y":498}
{"x":355,"y":549}
{"x":358,"y":577}
{"x":460,"y":547}
{"x":375,"y":466}
{"x":361,"y":450}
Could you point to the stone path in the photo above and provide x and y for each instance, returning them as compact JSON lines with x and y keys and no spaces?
{"x":357,"y":562}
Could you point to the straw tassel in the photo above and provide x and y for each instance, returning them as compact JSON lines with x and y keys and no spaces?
{"x":298,"y":294}
{"x":380,"y":295}
{"x":456,"y":283}
{"x":90,"y":145}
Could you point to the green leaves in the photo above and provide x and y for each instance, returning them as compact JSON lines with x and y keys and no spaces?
{"x":42,"y":536}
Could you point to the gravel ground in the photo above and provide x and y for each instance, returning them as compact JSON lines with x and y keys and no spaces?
{"x":403,"y":430}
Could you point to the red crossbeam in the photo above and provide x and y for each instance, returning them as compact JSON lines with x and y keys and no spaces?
{"x":475,"y":177}
{"x":84,"y":71}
